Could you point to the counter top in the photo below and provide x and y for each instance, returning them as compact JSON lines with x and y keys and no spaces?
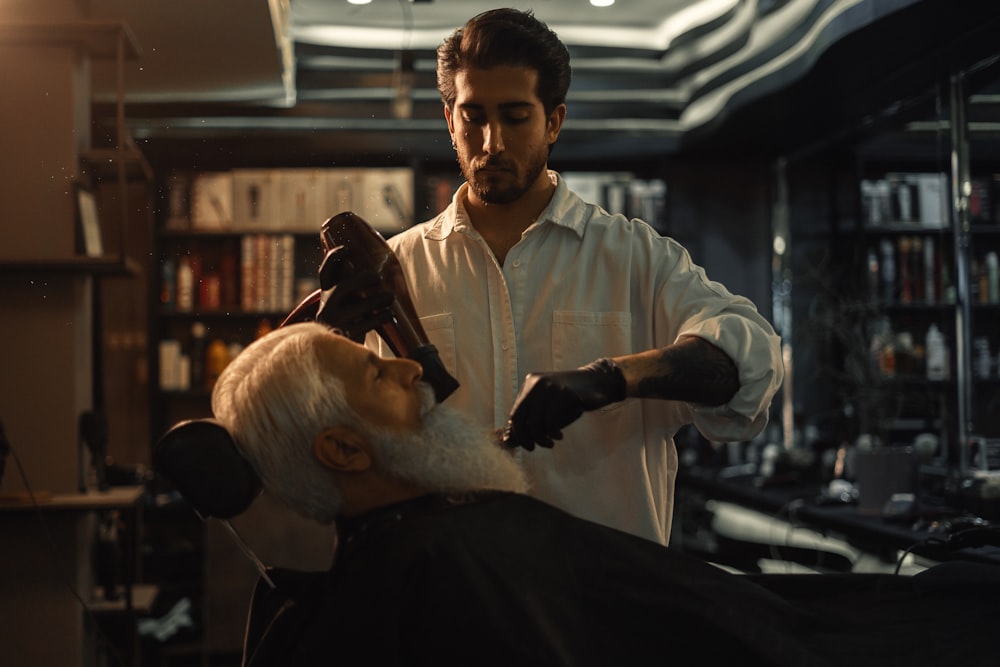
{"x":117,"y":497}
{"x":803,"y":504}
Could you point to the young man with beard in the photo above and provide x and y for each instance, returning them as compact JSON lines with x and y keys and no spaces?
{"x":561,"y":321}
{"x":441,"y":559}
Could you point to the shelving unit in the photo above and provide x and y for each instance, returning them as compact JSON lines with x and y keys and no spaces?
{"x":53,"y":293}
{"x":95,"y":266}
{"x":240,"y":285}
{"x":922,"y":243}
{"x":236,"y":250}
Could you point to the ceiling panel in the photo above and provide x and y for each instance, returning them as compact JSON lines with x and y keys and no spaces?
{"x":653,"y":76}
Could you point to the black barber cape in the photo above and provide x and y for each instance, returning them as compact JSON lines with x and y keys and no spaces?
{"x":504,"y":579}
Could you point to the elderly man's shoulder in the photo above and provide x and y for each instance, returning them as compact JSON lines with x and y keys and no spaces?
{"x":509,"y":527}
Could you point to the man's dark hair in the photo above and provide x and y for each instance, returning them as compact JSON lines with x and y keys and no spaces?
{"x":506,"y":37}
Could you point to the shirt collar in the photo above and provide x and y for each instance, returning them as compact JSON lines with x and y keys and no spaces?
{"x":565,"y":209}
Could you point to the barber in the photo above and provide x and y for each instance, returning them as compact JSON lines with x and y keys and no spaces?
{"x":583,"y":333}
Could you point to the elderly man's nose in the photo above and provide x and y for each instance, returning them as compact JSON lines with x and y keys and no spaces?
{"x":407,"y":370}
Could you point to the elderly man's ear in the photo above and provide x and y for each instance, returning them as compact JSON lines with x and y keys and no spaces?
{"x":341,"y":449}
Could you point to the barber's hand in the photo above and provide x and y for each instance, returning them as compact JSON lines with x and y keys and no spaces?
{"x":548,"y":402}
{"x":350,"y":301}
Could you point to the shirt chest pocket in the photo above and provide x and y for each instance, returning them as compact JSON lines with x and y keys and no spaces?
{"x":579,"y":337}
{"x":440,"y":330}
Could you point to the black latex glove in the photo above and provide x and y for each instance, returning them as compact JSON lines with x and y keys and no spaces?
{"x":548,"y":402}
{"x":352,"y":301}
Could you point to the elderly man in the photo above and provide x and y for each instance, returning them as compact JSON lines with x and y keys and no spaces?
{"x":442,"y":559}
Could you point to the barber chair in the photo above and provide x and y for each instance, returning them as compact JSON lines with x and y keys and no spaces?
{"x":199,"y":457}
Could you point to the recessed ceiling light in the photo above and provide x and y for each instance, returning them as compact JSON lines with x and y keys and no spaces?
{"x":365,"y":2}
{"x":602,"y":3}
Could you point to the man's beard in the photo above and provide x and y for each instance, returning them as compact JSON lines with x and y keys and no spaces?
{"x":514,"y":184}
{"x":449,"y":454}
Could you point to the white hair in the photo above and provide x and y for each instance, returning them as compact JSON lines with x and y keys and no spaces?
{"x":274,"y":398}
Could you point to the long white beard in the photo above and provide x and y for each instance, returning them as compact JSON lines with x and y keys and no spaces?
{"x":449,"y":454}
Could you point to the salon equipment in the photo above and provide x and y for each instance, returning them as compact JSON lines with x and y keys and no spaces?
{"x":351,"y":301}
{"x":358,"y":266}
{"x":199,"y":457}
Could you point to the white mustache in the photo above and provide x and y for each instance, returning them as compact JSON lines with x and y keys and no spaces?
{"x":427,"y":400}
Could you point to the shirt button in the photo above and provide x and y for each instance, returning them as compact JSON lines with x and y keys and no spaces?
{"x":517,"y":263}
{"x":503,"y":347}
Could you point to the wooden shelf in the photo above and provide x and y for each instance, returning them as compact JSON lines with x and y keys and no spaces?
{"x":105,"y":266}
{"x":104,"y":162}
{"x":232,"y":314}
{"x":143,"y":597}
{"x":906,"y":228}
{"x":233,"y":232}
{"x":117,"y":497}
{"x":101,"y":39}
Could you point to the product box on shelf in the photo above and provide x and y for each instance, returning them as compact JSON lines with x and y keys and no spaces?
{"x":178,"y":187}
{"x":932,"y":190}
{"x":875,"y":202}
{"x":255,"y":199}
{"x":387,"y":196}
{"x":344,"y":192}
{"x":902,"y":198}
{"x":302,"y":199}
{"x":383,"y":197}
{"x":293,"y":200}
{"x":211,"y":200}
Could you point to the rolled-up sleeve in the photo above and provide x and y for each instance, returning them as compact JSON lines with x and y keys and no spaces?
{"x":753,"y":346}
{"x":690,"y":304}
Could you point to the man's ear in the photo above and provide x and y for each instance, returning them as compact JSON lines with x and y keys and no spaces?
{"x":447,"y":117}
{"x":341,"y":449}
{"x":555,"y":123}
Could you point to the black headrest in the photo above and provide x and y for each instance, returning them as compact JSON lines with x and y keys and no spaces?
{"x":199,"y":457}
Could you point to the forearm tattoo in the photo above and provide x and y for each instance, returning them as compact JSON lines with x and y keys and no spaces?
{"x":693,"y":370}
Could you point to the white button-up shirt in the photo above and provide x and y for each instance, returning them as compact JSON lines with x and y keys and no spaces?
{"x":579,"y":285}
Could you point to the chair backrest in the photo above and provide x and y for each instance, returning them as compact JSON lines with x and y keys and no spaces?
{"x":200,"y":458}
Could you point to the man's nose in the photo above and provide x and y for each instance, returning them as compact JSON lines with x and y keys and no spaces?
{"x":407,"y":371}
{"x":493,"y":139}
